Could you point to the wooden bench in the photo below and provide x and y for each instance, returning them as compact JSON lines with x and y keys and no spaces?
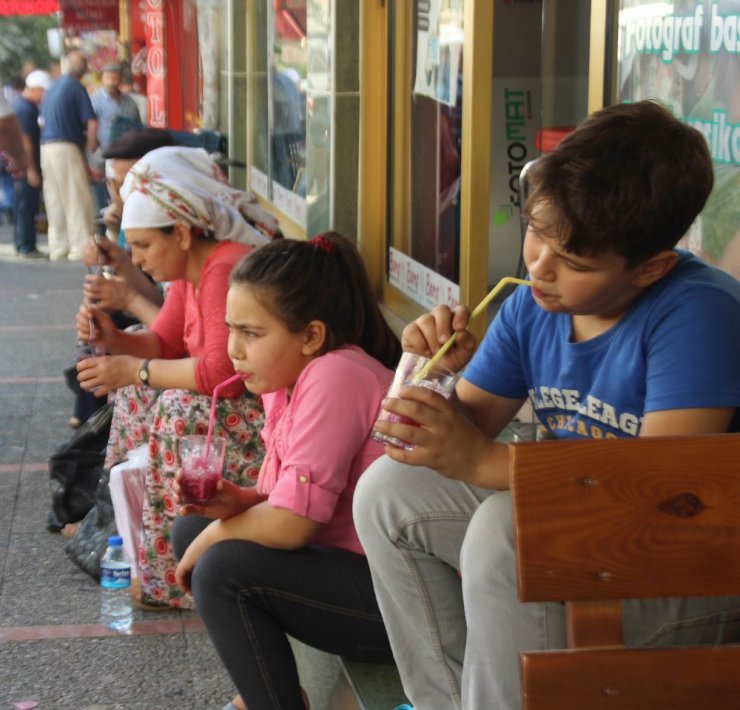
{"x":601,"y":521}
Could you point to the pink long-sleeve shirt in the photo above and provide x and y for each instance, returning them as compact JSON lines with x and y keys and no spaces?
{"x":191,"y":322}
{"x":321,"y":439}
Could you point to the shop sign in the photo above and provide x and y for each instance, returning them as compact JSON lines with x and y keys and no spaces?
{"x":89,"y":15}
{"x":419,"y":283}
{"x":14,"y":8}
{"x":516,"y":116}
{"x":156,"y":66}
{"x":687,"y":54}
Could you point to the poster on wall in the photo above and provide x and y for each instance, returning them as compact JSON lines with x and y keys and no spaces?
{"x":438,"y":49}
{"x":687,"y":54}
{"x":516,"y":118}
{"x":421,"y":284}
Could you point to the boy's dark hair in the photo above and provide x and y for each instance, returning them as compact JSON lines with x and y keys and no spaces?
{"x":321,"y":279}
{"x":629,"y":180}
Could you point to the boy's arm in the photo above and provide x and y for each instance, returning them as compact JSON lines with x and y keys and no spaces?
{"x":675,"y":422}
{"x":455,"y":438}
{"x":490,"y":414}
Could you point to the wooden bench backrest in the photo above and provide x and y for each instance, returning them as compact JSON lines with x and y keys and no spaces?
{"x":601,"y":521}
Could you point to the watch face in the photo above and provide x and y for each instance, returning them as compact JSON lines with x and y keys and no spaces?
{"x":144,"y":373}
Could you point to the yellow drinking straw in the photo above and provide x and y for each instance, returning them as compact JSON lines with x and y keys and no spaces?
{"x":476,"y":312}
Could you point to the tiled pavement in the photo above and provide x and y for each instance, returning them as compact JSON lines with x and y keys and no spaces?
{"x":54,"y":655}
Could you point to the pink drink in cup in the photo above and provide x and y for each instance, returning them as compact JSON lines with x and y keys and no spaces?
{"x":439,"y":379}
{"x":202,"y":457}
{"x":202,"y":463}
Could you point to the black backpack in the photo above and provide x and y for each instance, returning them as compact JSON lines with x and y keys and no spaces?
{"x":75,"y":469}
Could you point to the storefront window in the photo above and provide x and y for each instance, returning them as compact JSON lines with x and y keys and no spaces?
{"x":425,"y":230}
{"x":685,"y":54}
{"x":278,"y":91}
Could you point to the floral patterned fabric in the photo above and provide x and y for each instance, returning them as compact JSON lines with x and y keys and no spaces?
{"x":160,"y":418}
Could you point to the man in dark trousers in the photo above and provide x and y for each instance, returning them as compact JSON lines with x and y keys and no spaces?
{"x":28,"y":185}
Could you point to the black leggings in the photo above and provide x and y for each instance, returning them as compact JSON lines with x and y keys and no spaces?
{"x":250,"y":597}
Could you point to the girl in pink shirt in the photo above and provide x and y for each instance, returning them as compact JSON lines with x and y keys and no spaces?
{"x":283,"y":558}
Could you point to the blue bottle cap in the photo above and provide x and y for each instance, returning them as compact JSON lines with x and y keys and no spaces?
{"x":114,"y":540}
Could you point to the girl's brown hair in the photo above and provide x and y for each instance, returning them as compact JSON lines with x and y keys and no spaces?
{"x":321,"y":279}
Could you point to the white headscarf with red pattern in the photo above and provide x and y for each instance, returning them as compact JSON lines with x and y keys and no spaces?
{"x":178,"y":184}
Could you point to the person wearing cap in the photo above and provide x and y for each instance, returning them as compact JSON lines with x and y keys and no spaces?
{"x":68,"y":130}
{"x":130,"y":87}
{"x":28,"y":185}
{"x":109,"y":102}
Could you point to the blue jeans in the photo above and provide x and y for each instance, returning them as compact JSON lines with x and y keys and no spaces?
{"x":250,"y":597}
{"x":102,"y":198}
{"x":443,"y":561}
{"x":25,"y":205}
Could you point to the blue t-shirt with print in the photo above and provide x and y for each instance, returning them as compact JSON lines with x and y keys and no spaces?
{"x":677,"y":347}
{"x":65,"y":110}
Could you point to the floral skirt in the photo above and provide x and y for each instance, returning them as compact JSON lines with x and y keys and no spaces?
{"x":160,"y":418}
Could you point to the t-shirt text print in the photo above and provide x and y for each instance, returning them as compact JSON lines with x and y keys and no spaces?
{"x":592,"y":418}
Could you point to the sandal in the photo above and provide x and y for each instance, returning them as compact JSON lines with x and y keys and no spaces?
{"x":139,"y":600}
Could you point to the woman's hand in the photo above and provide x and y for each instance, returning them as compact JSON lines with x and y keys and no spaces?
{"x":444,"y":440}
{"x":105,"y":251}
{"x":104,"y":332}
{"x":113,"y":294}
{"x":429,"y":332}
{"x":230,"y":500}
{"x":102,"y":375}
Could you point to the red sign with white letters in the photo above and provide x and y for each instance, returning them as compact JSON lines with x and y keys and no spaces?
{"x":89,"y":15}
{"x":156,"y":67}
{"x":13,"y":8}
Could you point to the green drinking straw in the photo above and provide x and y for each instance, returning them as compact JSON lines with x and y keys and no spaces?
{"x":476,"y":312}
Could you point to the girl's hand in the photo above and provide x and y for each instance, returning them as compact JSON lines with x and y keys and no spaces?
{"x":185,"y":567}
{"x":230,"y":500}
{"x":112,"y":294}
{"x":444,"y":440}
{"x":429,"y":332}
{"x":105,"y":374}
{"x":184,"y":571}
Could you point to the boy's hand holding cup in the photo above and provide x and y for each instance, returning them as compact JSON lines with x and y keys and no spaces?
{"x":413,"y":371}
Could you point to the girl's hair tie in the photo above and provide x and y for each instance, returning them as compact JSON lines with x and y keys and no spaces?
{"x":323,"y":243}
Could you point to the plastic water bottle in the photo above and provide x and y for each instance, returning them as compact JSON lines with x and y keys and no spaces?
{"x":115,"y":587}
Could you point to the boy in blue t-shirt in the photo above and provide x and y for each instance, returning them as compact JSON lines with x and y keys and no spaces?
{"x":620,"y":334}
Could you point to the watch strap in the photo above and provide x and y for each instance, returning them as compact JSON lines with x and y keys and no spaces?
{"x":144,"y":372}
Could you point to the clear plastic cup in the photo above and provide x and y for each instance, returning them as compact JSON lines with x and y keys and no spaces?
{"x":438,"y":378}
{"x":200,"y":472}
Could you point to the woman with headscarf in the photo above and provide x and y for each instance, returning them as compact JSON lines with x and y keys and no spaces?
{"x":164,"y":377}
